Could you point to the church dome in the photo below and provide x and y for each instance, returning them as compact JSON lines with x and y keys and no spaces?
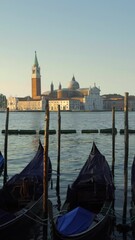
{"x":73,"y":84}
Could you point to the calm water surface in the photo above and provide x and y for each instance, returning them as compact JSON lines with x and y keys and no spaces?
{"x":75,"y":149}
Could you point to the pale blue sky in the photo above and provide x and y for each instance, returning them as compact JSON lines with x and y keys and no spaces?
{"x":92,"y":39}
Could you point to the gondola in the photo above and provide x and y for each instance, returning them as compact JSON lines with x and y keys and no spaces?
{"x":86,"y":210}
{"x":21,"y":197}
{"x":132,"y":210}
{"x":1,"y":163}
{"x":133,"y":180}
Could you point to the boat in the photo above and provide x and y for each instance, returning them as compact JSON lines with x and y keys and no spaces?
{"x":132,"y":210}
{"x":133,"y":180}
{"x":21,"y":197}
{"x":85,"y":213}
{"x":1,"y":163}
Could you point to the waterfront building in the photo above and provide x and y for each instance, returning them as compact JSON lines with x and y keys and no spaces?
{"x":65,"y":105}
{"x":113,"y":100}
{"x":3,"y":102}
{"x":93,"y":101}
{"x":26,"y":104}
{"x":131,"y":103}
{"x":72,"y":98}
{"x":62,"y":93}
{"x":90,"y":99}
{"x":12,"y":103}
{"x":31,"y":105}
{"x":117,"y":101}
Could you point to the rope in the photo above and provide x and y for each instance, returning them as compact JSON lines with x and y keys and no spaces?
{"x":35,"y":220}
{"x":133,"y":219}
{"x":117,"y":214}
{"x":38,"y":217}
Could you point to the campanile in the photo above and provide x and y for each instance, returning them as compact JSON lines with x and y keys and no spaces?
{"x":36,"y":79}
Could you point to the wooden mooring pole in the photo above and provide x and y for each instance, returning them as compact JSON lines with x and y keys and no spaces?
{"x":45,"y":169}
{"x":126,"y":138}
{"x":5,"y":147}
{"x":58,"y":158}
{"x":113,"y":140}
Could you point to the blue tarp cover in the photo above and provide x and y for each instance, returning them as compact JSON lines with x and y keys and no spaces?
{"x":75,"y":221}
{"x":1,"y":160}
{"x":1,"y":163}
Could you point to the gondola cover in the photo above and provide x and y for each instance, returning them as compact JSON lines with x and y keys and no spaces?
{"x":34,"y":168}
{"x":95,"y":177}
{"x":75,"y":221}
{"x":1,"y":163}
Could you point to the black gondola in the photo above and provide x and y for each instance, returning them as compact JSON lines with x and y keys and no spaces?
{"x":21,"y":197}
{"x":133,"y":180}
{"x":1,"y":163}
{"x":132,"y":211}
{"x":86,"y":211}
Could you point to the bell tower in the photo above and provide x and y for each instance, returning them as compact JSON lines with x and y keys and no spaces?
{"x":36,"y":79}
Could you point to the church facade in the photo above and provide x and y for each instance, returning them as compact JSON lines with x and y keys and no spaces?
{"x":89,"y":98}
{"x":72,"y":98}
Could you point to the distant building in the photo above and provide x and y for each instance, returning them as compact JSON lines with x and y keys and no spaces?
{"x":72,"y":98}
{"x":31,"y":105}
{"x":37,"y":102}
{"x":93,"y":101}
{"x":117,"y":101}
{"x":113,"y":100}
{"x":12,"y":103}
{"x":3,"y":102}
{"x":65,"y":105}
{"x":90,"y":99}
{"x":71,"y":91}
{"x":36,"y":80}
{"x":26,"y":104}
{"x":131,"y":103}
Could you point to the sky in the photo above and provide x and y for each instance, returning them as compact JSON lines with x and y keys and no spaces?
{"x":94,"y":40}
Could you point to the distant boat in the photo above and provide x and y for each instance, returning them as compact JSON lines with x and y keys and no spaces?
{"x":1,"y":163}
{"x":21,"y":197}
{"x":88,"y":203}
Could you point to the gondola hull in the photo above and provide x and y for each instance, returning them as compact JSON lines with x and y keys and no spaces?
{"x":19,"y":226}
{"x":85,"y":214}
{"x":21,"y":199}
{"x":99,"y":229}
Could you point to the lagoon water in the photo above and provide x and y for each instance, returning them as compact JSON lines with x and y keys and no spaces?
{"x":75,"y":149}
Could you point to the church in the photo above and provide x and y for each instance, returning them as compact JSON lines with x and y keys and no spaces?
{"x":72,"y":98}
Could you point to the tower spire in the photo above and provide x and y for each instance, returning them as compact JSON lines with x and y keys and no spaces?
{"x":36,"y":60}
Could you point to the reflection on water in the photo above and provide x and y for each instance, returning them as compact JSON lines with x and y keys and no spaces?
{"x":75,"y":149}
